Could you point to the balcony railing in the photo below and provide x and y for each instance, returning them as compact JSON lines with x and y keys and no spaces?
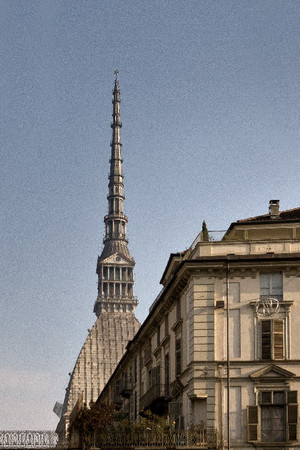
{"x":126,"y":388}
{"x":207,"y":439}
{"x":156,"y":392}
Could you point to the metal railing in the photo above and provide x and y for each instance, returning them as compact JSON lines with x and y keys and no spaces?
{"x":206,"y":439}
{"x":28,"y":439}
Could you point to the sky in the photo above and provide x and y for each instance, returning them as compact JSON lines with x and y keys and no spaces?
{"x":210,"y":110}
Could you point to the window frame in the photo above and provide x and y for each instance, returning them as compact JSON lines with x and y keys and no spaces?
{"x":254,"y":416}
{"x":178,"y":356}
{"x":269,"y":286}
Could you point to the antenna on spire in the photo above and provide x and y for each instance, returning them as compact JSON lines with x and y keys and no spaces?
{"x":116,"y":73}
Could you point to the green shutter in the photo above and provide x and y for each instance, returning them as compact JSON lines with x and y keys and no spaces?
{"x":252,"y":419}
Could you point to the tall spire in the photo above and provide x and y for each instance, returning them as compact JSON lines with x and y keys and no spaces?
{"x":115,"y":265}
{"x":115,"y":221}
{"x":116,"y":323}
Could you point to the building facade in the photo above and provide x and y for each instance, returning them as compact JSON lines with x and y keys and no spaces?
{"x":115,"y":305}
{"x":220,"y":347}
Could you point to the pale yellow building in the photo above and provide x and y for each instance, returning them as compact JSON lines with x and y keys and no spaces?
{"x":182,"y":359}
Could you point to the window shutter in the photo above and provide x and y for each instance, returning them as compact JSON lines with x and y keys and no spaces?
{"x":252,"y":419}
{"x":293,"y":397}
{"x":266,"y":339}
{"x":278,"y":338}
{"x":272,"y":339}
{"x":292,"y":415}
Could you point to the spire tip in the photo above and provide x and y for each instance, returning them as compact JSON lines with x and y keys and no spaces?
{"x":116,"y":73}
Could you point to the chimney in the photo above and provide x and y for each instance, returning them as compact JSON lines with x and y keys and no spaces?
{"x":274,"y":209}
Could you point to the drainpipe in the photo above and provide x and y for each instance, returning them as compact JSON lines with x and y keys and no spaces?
{"x":220,"y":370}
{"x":228,"y":359}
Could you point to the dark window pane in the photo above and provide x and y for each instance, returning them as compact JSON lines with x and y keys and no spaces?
{"x":279,"y":398}
{"x":266,"y":397}
{"x":273,"y":424}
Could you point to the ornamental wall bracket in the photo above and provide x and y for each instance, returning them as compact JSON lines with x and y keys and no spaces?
{"x":269,"y":307}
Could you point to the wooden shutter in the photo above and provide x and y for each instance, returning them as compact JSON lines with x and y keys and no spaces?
{"x":252,"y":421}
{"x":292,"y":415}
{"x":278,"y":339}
{"x":272,"y":332}
{"x":266,"y":352}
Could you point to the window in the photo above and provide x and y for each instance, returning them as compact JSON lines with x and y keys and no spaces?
{"x":167,"y":373}
{"x":178,"y":309}
{"x":135,"y":411}
{"x":272,"y":339}
{"x":166,"y":325}
{"x":117,"y":205}
{"x":274,"y":419}
{"x":273,"y":416}
{"x":271,"y":285}
{"x":109,"y":228}
{"x":111,"y":289}
{"x":105,"y":271}
{"x":149,"y":379}
{"x":135,"y":371}
{"x":104,"y":290}
{"x":147,"y":352}
{"x":178,"y":356}
{"x":158,"y":336}
{"x":155,"y":376}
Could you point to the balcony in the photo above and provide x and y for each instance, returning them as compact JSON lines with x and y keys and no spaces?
{"x":116,"y":398}
{"x":126,"y":389}
{"x":156,"y":399}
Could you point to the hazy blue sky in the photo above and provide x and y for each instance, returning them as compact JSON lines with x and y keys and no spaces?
{"x":210,"y":111}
